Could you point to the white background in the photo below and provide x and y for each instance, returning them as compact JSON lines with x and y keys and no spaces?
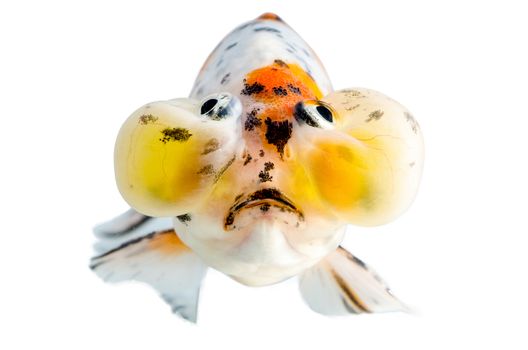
{"x":70,"y":73}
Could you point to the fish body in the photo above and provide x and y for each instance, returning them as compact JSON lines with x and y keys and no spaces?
{"x":260,"y":170}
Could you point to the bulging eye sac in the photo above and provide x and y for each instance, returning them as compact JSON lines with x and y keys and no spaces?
{"x":161,"y":151}
{"x":368,"y":168}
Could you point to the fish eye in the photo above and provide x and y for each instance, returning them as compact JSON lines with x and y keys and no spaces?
{"x":220,"y":106}
{"x":325,"y":112}
{"x":314,"y":113}
{"x":208,"y":105}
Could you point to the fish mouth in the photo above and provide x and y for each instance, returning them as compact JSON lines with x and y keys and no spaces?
{"x":264,"y":198}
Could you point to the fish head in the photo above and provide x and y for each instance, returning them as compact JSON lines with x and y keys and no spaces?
{"x":263,"y":166}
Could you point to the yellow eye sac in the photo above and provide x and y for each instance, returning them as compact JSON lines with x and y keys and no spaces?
{"x":163,"y":157}
{"x":368,"y":168}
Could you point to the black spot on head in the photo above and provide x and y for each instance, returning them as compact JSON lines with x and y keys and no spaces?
{"x":248,"y":159}
{"x":252,"y":120}
{"x":184,"y":219}
{"x":254,"y":88}
{"x":280,"y":91}
{"x":278,"y":133}
{"x":281,"y":63}
{"x":225,"y":79}
{"x":268,"y":166}
{"x":266,"y":29}
{"x":231,"y":46}
{"x":147,"y":119}
{"x":264,"y":176}
{"x":175,"y":134}
{"x":219,"y":63}
{"x":294,"y":89}
{"x":291,"y":47}
{"x":261,"y":153}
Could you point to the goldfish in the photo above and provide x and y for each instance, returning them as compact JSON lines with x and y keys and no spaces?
{"x":257,"y":174}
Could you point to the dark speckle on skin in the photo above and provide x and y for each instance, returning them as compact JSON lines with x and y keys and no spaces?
{"x":268,"y":166}
{"x":266,"y":29}
{"x":248,"y":159}
{"x":278,"y":133}
{"x":375,"y":115}
{"x":414,"y":124}
{"x":252,"y":121}
{"x":147,"y":119}
{"x":211,"y":146}
{"x":265,"y":207}
{"x":206,"y":170}
{"x":223,"y":170}
{"x":175,"y":134}
{"x":281,"y":63}
{"x":225,"y":79}
{"x":184,"y":219}
{"x":352,"y":93}
{"x":231,"y":46}
{"x":279,"y":91}
{"x":261,"y":153}
{"x":264,"y":176}
{"x":254,"y":88}
{"x":294,"y":89}
{"x":351,"y":108}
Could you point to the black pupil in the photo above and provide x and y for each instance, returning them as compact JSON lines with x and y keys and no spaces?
{"x":325,"y":113}
{"x":208,"y":105}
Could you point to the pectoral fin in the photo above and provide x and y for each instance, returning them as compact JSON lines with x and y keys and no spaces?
{"x":161,"y":260}
{"x":342,"y":284}
{"x":126,"y":227}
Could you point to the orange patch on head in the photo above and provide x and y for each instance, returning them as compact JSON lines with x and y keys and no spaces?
{"x":281,"y":86}
{"x":269,"y":15}
{"x":167,"y":242}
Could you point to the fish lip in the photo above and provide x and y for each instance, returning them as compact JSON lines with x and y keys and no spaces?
{"x":270,"y":196}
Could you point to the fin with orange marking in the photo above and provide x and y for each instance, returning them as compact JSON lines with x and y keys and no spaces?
{"x":342,"y":284}
{"x":126,"y":227}
{"x":161,"y":260}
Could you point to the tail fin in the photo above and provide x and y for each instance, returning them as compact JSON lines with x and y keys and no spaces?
{"x":342,"y":284}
